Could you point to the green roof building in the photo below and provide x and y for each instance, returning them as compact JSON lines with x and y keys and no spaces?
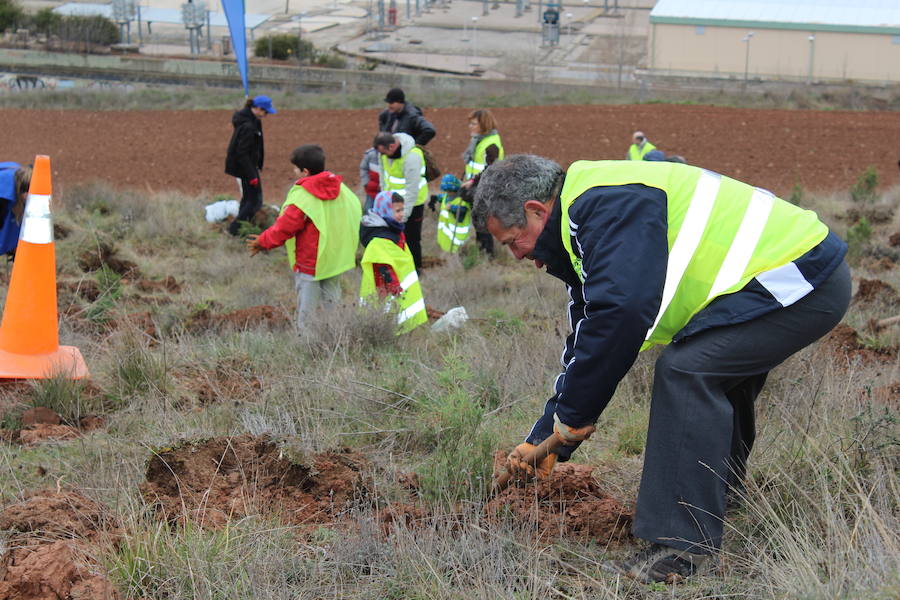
{"x":799,"y":40}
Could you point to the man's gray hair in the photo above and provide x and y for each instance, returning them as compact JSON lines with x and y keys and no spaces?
{"x":505,"y":186}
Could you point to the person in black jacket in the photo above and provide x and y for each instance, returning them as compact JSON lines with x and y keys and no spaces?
{"x":401,"y":116}
{"x":244,"y":159}
{"x":728,"y":278}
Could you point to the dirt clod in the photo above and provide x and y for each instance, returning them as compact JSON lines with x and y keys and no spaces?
{"x":875,"y":290}
{"x":105,"y":254}
{"x":845,"y":347}
{"x":570,"y":502}
{"x":51,"y":553}
{"x":169,"y":284}
{"x":430,"y":262}
{"x":40,"y":415}
{"x":244,"y":318}
{"x":39,"y":433}
{"x":213,"y":481}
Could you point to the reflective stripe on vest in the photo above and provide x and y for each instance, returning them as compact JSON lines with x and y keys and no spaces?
{"x":451,"y":232}
{"x":410,"y":305}
{"x":478,"y":162}
{"x":396,"y":180}
{"x":721,"y":234}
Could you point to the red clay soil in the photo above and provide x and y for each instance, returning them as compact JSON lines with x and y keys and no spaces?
{"x":876,"y":291}
{"x":185,"y":150}
{"x":845,"y":347}
{"x":169,"y":284}
{"x":56,"y":538}
{"x":41,"y":424}
{"x":886,"y":395}
{"x":244,"y":318}
{"x":226,"y":478}
{"x":104,"y":254}
{"x":569,"y":503}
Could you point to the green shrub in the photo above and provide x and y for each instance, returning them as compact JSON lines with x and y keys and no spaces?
{"x":46,"y":21}
{"x":11,"y":15}
{"x":82,"y":29}
{"x":140,"y":370}
{"x":110,"y":284}
{"x":65,"y":396}
{"x":863,"y":191}
{"x":331,"y":60}
{"x":284,"y":47}
{"x":858,"y":237}
{"x":796,"y":197}
{"x":459,"y":465}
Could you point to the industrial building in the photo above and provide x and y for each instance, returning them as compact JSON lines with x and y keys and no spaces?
{"x":796,"y":40}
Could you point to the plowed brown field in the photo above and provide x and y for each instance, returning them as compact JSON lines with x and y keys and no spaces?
{"x":185,"y":150}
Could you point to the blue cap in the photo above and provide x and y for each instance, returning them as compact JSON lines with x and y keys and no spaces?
{"x":450,"y":183}
{"x":265,"y":103}
{"x":655,"y":155}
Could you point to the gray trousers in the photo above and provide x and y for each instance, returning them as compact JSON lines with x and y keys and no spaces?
{"x":702,"y":420}
{"x":313,"y":293}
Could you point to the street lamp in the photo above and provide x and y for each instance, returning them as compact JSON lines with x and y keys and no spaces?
{"x":812,"y":53}
{"x":746,"y":40}
{"x":474,"y":40}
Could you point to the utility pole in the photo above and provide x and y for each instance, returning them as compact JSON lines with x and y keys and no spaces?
{"x":746,"y":39}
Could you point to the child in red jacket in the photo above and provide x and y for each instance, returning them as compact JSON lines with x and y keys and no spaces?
{"x":318,"y":225}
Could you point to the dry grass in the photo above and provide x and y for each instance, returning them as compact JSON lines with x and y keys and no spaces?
{"x":818,"y":520}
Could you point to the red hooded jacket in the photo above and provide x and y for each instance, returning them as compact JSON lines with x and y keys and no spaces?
{"x":293,"y":222}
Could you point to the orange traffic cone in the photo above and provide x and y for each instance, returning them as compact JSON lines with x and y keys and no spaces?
{"x":29,"y":338}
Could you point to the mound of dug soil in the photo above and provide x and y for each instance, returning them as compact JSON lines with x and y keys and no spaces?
{"x":57,"y":535}
{"x":875,"y":290}
{"x":244,"y":318}
{"x":40,"y":424}
{"x":568,"y":503}
{"x":216,"y":480}
{"x":844,"y":344}
{"x":105,"y":254}
{"x":169,"y":284}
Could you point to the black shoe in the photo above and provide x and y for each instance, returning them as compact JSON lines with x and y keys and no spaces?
{"x":659,"y":563}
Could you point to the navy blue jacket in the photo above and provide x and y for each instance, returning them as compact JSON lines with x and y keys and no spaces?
{"x":620,"y":233}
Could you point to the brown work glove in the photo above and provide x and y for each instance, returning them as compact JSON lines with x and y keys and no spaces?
{"x":521,"y":470}
{"x":571,"y":435}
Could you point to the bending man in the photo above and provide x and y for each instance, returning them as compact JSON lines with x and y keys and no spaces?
{"x":730,"y":278}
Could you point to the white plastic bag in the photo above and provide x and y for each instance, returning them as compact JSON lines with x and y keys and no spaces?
{"x":452,"y":319}
{"x":219,"y":211}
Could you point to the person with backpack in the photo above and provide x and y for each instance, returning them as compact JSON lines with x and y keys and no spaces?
{"x":368,"y":176}
{"x":388,"y":270}
{"x":402,"y":170}
{"x":401,"y":116}
{"x":244,"y":158}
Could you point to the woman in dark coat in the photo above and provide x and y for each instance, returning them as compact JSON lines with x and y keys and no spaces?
{"x":245,"y":156}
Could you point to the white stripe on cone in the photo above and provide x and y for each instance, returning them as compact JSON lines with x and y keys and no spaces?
{"x":37,"y":226}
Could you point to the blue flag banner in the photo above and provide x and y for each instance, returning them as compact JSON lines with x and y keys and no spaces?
{"x":234,"y":12}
